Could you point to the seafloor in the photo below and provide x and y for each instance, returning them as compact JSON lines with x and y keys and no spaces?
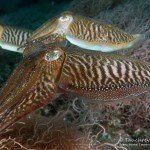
{"x":72,"y":123}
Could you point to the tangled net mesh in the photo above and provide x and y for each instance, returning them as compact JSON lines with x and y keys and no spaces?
{"x":80,"y":125}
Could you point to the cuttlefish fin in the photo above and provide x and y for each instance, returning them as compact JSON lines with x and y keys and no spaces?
{"x":139,"y":40}
{"x":108,"y":95}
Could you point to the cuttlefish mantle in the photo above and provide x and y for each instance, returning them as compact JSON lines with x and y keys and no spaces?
{"x":88,"y":33}
{"x":42,"y":75}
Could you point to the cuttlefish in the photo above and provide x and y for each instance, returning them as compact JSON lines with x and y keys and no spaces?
{"x":45,"y":74}
{"x":12,"y":38}
{"x":81,"y":31}
{"x":88,"y":33}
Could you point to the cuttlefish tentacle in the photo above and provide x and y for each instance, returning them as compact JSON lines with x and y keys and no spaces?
{"x":40,"y":43}
{"x":12,"y":38}
{"x":92,"y":75}
{"x":88,"y":33}
{"x":31,"y":86}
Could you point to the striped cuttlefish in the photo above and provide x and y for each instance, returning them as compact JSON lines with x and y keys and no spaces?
{"x":43,"y":75}
{"x":88,"y":33}
{"x":81,"y":31}
{"x":12,"y":38}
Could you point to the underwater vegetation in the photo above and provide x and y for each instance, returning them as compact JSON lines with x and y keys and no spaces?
{"x":73,"y":122}
{"x":93,"y":7}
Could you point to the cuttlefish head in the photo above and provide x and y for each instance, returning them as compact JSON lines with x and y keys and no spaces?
{"x":31,"y":85}
{"x":57,"y":26}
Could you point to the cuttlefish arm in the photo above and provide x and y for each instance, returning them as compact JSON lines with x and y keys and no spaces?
{"x":31,"y":86}
{"x":45,"y":30}
{"x":40,"y":43}
{"x":88,"y":33}
{"x":100,"y":76}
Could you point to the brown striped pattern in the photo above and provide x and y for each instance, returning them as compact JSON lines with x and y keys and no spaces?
{"x":31,"y":86}
{"x":104,"y":74}
{"x":15,"y":36}
{"x":97,"y":31}
{"x":1,"y":31}
{"x":86,"y":29}
{"x":37,"y":81}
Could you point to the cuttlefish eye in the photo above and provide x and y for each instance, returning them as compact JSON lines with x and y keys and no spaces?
{"x":52,"y":55}
{"x":65,"y":18}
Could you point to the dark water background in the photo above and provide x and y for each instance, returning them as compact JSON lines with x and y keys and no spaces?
{"x":28,"y":14}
